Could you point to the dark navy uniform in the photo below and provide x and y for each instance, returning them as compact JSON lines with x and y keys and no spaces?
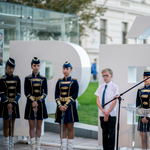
{"x":10,"y":90}
{"x":143,"y":101}
{"x":35,"y":90}
{"x":66,"y":93}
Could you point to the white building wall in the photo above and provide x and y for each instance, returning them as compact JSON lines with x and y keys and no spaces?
{"x":118,"y":11}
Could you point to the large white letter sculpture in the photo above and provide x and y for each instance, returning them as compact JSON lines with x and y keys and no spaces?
{"x":120,"y":58}
{"x":53,"y":51}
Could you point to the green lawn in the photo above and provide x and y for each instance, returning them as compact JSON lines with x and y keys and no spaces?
{"x":88,"y":109}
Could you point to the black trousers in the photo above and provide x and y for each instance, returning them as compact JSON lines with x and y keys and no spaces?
{"x":94,"y":76}
{"x":108,"y":132}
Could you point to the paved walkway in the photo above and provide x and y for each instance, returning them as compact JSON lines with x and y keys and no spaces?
{"x":51,"y":141}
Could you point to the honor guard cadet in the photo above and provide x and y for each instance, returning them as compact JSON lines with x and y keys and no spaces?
{"x":66,"y":93}
{"x":10,"y":94}
{"x":142,"y":101}
{"x":36,"y":92}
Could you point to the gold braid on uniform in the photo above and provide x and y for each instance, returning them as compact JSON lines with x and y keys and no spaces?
{"x":71,"y":100}
{"x":58,"y":102}
{"x":31,"y":98}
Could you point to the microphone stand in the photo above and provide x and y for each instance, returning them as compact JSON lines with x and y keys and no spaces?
{"x":119,"y":98}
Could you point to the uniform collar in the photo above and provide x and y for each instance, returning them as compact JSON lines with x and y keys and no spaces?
{"x":33,"y":75}
{"x":9,"y":76}
{"x":68,"y":79}
{"x":148,"y":87}
{"x":108,"y":84}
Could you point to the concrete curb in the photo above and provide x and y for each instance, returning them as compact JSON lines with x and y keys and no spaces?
{"x":81,"y":130}
{"x":74,"y":146}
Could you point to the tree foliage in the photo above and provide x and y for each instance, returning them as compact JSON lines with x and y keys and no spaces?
{"x":87,"y":10}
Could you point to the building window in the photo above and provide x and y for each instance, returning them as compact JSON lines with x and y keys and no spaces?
{"x":47,"y":72}
{"x":144,"y":41}
{"x":10,"y":35}
{"x":124,"y":33}
{"x":103,"y":31}
{"x":143,"y":1}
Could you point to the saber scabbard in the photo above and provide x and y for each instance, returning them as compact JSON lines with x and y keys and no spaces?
{"x":35,"y":117}
{"x":10,"y":130}
{"x":62,"y":126}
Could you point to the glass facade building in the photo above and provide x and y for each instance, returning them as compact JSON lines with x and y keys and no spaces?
{"x":20,"y":22}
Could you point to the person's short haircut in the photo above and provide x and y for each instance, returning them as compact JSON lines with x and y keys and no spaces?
{"x":95,"y":59}
{"x":107,"y":70}
{"x":1,"y":33}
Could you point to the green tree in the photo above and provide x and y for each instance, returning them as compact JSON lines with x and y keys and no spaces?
{"x":87,"y":10}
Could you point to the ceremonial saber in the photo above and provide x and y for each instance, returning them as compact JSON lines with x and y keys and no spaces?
{"x":62,"y":126}
{"x":145,"y":130}
{"x":146,"y":135}
{"x":35,"y":116}
{"x":10,"y":123}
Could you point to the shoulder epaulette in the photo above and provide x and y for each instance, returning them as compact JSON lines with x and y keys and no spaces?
{"x":74,"y":79}
{"x":42,"y":76}
{"x":16,"y":76}
{"x":60,"y":78}
{"x":29,"y":76}
{"x":141,"y":88}
{"x":3,"y":77}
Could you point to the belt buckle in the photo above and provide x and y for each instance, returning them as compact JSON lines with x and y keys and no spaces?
{"x":10,"y":99}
